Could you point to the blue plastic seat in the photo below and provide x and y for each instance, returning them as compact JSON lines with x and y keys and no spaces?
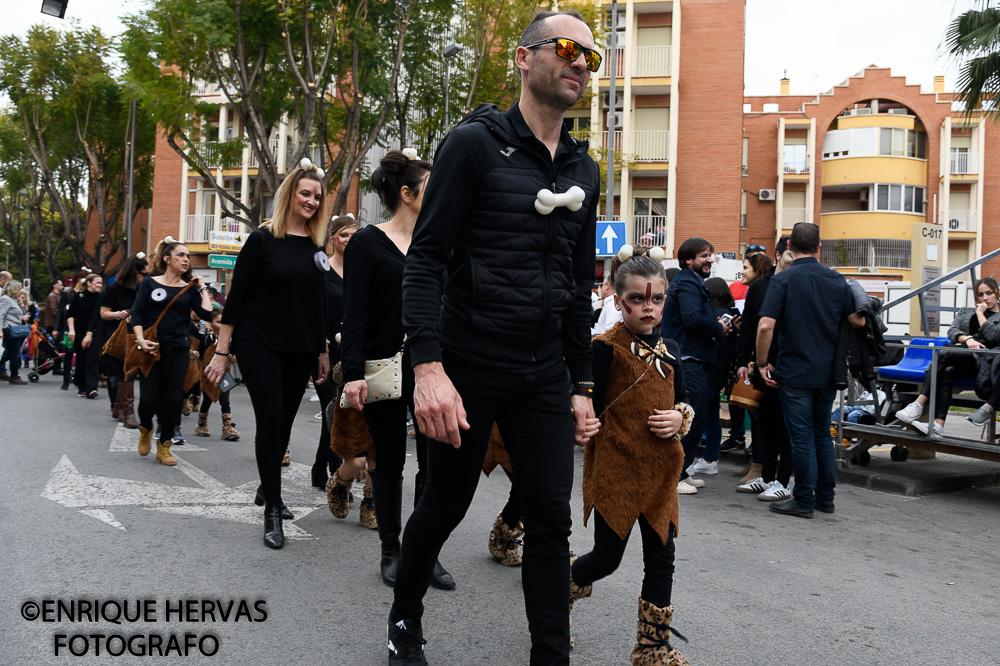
{"x":912,"y":368}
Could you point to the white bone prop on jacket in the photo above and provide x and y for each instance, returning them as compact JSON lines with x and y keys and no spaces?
{"x":572,"y":198}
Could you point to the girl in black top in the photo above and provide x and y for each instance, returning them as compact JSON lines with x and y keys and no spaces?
{"x":163,"y":388}
{"x":275,"y":320}
{"x":373,"y":329}
{"x":115,"y":304}
{"x":81,"y":309}
{"x":341,"y":231}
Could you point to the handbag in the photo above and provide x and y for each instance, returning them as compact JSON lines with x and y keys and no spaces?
{"x":137,"y":360}
{"x":20,"y":330}
{"x":384,"y":377}
{"x":116,"y":346}
{"x":745,"y":395}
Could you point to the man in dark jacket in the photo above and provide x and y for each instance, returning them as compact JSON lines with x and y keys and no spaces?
{"x":493,"y":341}
{"x":689,"y":320}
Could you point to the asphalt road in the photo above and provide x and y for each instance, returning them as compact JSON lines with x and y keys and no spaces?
{"x":885,"y":580}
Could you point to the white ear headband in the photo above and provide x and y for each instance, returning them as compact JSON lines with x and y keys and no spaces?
{"x":410,"y":153}
{"x":140,"y":255}
{"x":655,"y":253}
{"x":169,"y":239}
{"x":306,"y":165}
{"x":547,"y":201}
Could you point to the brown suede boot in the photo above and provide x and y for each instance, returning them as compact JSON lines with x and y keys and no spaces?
{"x":126,"y":394}
{"x":145,"y":441}
{"x":504,"y":545}
{"x":229,"y":431}
{"x":163,"y":454}
{"x":742,"y":471}
{"x":756,"y":469}
{"x":337,"y":491}
{"x":202,"y":428}
{"x":652,"y":638}
{"x":366,"y":513}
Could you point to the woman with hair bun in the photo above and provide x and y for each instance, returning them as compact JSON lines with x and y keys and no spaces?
{"x":275,"y":320}
{"x":373,"y":329}
{"x":163,"y":388}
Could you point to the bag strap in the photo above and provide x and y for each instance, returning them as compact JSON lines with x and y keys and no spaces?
{"x":179,"y":294}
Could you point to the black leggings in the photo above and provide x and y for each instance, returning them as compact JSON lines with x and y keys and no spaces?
{"x":532,"y":411}
{"x":275,"y":381}
{"x":657,"y":560}
{"x":951,"y":366}
{"x":206,"y":403}
{"x":161,"y":392}
{"x":325,"y":456}
{"x":387,"y":425}
{"x":114,"y":370}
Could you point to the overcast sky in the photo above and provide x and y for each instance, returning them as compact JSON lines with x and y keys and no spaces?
{"x":819,"y":42}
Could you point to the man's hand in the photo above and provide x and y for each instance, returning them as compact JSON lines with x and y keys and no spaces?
{"x":438,"y":406}
{"x":216,"y":368}
{"x":357,"y":393}
{"x":324,"y":369}
{"x":87,"y":339}
{"x":586,"y":422}
{"x":665,"y":423}
{"x":766,"y":374}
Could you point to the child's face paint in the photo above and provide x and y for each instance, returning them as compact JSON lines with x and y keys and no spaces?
{"x":642,"y":304}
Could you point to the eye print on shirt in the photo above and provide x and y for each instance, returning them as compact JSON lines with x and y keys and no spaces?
{"x":322,"y":262}
{"x":159,"y":294}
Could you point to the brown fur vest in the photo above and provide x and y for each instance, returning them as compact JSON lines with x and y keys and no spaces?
{"x":625,"y":449}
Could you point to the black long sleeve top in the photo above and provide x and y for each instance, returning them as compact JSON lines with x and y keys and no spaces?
{"x":334,"y":292}
{"x":81,"y":308}
{"x":373,"y":301}
{"x":173,"y":330}
{"x":604,"y":354}
{"x":277,"y":295}
{"x":116,"y":297}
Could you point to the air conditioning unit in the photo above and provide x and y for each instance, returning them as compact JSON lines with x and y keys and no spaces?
{"x":954,"y":224}
{"x":619,"y":101}
{"x":866,"y":269}
{"x":619,"y":118}
{"x":766,"y":195}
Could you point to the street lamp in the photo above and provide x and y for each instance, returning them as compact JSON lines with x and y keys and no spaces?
{"x":55,"y":8}
{"x":27,"y":241}
{"x":6,"y":258}
{"x":449,"y":52}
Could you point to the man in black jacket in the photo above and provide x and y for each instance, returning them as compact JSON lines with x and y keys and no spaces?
{"x":493,"y":341}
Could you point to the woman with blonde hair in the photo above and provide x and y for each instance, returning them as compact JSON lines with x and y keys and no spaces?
{"x":275,"y":320}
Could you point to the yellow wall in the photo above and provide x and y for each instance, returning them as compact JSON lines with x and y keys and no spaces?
{"x":867,"y":225}
{"x":903,"y":170}
{"x":848,"y":122}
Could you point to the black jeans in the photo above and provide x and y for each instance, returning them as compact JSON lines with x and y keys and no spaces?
{"x":533,"y":413}
{"x":603,"y":560}
{"x":275,"y":381}
{"x":699,"y":396}
{"x":951,"y":366}
{"x":160,"y":393}
{"x":776,"y":447}
{"x":11,"y":352}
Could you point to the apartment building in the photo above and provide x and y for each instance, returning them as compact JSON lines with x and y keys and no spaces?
{"x":865,"y":161}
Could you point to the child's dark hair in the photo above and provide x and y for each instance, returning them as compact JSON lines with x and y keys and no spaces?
{"x":637,"y":251}
{"x":719,"y":292}
{"x":638,"y":265}
{"x":394,"y":172}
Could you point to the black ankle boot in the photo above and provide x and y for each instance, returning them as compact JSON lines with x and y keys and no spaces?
{"x":319,"y":476}
{"x":440,"y":578}
{"x":259,"y":501}
{"x":274,"y":535}
{"x":388,"y":496}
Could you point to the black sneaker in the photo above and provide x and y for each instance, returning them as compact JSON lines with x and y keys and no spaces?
{"x":406,"y":643}
{"x":732,"y":444}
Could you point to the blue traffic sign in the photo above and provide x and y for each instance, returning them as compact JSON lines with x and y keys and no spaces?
{"x":610,"y":237}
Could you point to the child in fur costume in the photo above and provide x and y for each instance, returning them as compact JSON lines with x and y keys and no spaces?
{"x":638,"y":394}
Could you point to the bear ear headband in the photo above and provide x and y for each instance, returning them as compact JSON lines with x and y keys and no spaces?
{"x":140,"y":255}
{"x":306,"y":165}
{"x":410,"y":153}
{"x":655,"y":253}
{"x":169,"y":239}
{"x":547,"y":201}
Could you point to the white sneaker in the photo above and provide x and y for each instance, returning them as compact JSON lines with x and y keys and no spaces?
{"x":318,"y":416}
{"x":910,"y":413}
{"x":775,"y":492}
{"x":697,"y":483}
{"x":685,"y":488}
{"x":702,"y":466}
{"x":922,"y":427}
{"x":754,"y":486}
{"x":314,"y":398}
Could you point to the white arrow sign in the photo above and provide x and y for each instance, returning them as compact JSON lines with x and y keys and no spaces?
{"x":610,"y":236}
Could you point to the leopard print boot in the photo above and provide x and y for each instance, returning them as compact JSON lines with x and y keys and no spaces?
{"x":505,"y":544}
{"x":575,"y":594}
{"x":337,"y":492}
{"x":366,"y":512}
{"x":652,"y":638}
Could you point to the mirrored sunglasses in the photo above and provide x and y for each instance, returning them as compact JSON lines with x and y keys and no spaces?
{"x":570,"y":50}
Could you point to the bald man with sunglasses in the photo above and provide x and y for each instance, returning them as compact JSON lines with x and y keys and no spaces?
{"x":508,"y":219}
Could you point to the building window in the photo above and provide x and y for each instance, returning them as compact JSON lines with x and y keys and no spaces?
{"x":860,"y":252}
{"x":899,"y":198}
{"x":746,"y":155}
{"x":771,"y":107}
{"x":578,"y":126}
{"x":649,"y":218}
{"x":796,"y":159}
{"x":902,"y":143}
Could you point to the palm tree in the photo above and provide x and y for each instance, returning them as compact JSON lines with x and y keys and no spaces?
{"x":973,"y":39}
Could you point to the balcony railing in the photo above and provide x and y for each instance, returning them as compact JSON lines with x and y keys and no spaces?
{"x":618,"y":140}
{"x":797,"y":167}
{"x":862,"y":111}
{"x":792,"y":216}
{"x":651,"y":145}
{"x":964,"y":163}
{"x":619,"y":63}
{"x":199,"y":227}
{"x":649,"y":229}
{"x":962,"y":220}
{"x":209,"y":89}
{"x":651,"y":61}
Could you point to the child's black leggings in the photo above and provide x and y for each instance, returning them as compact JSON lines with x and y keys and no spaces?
{"x":657,"y":559}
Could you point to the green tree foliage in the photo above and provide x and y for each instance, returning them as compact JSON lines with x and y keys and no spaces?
{"x":973,"y":39}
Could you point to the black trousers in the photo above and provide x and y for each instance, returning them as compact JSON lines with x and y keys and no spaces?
{"x":777,"y":447}
{"x":206,"y":403}
{"x":951,"y":366}
{"x":275,"y":381}
{"x":325,"y":456}
{"x":603,"y":560}
{"x":87,"y":371}
{"x":160,"y":393}
{"x":532,"y":412}
{"x":387,"y":425}
{"x":114,"y":370}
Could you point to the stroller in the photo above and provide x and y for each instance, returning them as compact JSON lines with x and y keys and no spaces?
{"x":43,"y":352}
